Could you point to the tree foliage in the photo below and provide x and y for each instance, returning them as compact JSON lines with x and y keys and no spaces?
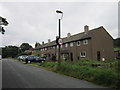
{"x":117,"y":42}
{"x":10,"y":51}
{"x":25,"y":46}
{"x":4,"y":22}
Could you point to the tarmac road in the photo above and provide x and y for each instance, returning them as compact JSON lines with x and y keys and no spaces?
{"x":18,"y":75}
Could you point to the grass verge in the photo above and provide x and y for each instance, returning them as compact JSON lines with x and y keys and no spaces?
{"x":103,"y":73}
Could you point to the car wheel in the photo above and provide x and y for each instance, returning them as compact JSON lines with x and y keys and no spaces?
{"x":29,"y":61}
{"x":42,"y":61}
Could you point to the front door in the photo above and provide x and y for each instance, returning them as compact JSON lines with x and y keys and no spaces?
{"x":71,"y":56}
{"x":98,"y":55}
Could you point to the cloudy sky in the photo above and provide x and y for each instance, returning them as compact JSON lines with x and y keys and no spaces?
{"x":32,"y":22}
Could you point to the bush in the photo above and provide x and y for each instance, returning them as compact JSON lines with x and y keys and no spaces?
{"x":105,"y":77}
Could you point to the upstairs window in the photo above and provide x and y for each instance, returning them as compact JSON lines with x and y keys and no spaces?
{"x":85,"y":42}
{"x":66,"y":45}
{"x":83,"y":54}
{"x":61,"y":46}
{"x":78,"y":43}
{"x":71,"y":44}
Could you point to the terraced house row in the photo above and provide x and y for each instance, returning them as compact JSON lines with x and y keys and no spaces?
{"x":95,"y":44}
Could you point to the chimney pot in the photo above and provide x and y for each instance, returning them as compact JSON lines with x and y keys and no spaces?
{"x":43,"y":43}
{"x":86,"y":28}
{"x":48,"y":40}
{"x":68,"y":35}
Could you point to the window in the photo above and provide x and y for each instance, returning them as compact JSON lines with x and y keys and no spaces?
{"x":71,"y":44}
{"x":83,"y":54}
{"x":85,"y":42}
{"x":78,"y":43}
{"x":61,"y":46}
{"x":53,"y":47}
{"x":45,"y":49}
{"x":66,"y":45}
{"x":57,"y":46}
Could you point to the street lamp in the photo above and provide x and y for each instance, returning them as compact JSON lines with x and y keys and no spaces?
{"x":59,"y":12}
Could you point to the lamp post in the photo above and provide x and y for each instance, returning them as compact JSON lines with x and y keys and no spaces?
{"x":59,"y":20}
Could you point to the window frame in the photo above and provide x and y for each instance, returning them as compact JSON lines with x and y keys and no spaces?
{"x":79,"y":43}
{"x":83,"y":55}
{"x":85,"y":42}
{"x":71,"y":44}
{"x":66,"y":45}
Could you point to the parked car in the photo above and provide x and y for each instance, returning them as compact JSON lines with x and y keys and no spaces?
{"x":30,"y":59}
{"x":22,"y":57}
{"x":19,"y":57}
{"x":34,"y":59}
{"x":39,"y":59}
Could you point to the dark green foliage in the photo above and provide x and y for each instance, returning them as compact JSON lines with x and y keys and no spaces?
{"x":22,"y":53}
{"x":25,"y":46}
{"x":117,"y":42}
{"x":10,"y":51}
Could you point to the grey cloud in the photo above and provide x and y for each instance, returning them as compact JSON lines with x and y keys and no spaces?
{"x":31,"y":22}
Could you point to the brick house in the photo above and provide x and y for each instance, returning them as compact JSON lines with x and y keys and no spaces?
{"x":95,"y":44}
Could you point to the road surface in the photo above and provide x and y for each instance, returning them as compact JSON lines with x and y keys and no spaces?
{"x":18,"y":75}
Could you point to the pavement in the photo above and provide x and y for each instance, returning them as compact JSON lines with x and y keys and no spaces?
{"x":18,"y":75}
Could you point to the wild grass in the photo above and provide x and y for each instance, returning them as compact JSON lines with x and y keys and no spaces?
{"x":103,"y":73}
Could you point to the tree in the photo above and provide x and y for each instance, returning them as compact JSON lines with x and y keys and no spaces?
{"x":3,"y":22}
{"x":25,"y":46}
{"x":117,"y":42}
{"x":10,"y":51}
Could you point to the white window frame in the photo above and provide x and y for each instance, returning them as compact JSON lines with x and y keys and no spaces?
{"x":71,"y":44}
{"x":85,"y":42}
{"x":61,"y":46}
{"x":83,"y":55}
{"x":45,"y":49}
{"x":78,"y":44}
{"x":57,"y":46}
{"x":66,"y":45}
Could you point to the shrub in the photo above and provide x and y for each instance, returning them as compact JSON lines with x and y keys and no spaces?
{"x":105,"y":77}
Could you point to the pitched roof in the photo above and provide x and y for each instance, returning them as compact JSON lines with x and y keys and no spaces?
{"x":76,"y":37}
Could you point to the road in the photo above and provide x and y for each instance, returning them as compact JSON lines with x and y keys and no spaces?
{"x":18,"y":75}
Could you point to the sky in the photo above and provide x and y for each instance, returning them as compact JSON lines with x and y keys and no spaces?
{"x":33,"y":21}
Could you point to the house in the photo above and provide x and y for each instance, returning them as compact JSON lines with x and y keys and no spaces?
{"x":95,"y":44}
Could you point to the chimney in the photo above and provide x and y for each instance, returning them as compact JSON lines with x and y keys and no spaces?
{"x":48,"y":40}
{"x":68,"y":35}
{"x":43,"y":43}
{"x":86,"y":29}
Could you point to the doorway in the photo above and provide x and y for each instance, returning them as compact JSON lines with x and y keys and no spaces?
{"x":98,"y":56}
{"x":71,"y":56}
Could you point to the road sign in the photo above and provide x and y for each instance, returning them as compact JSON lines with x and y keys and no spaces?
{"x":60,"y":41}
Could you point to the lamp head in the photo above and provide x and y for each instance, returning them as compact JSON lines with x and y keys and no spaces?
{"x":57,"y":11}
